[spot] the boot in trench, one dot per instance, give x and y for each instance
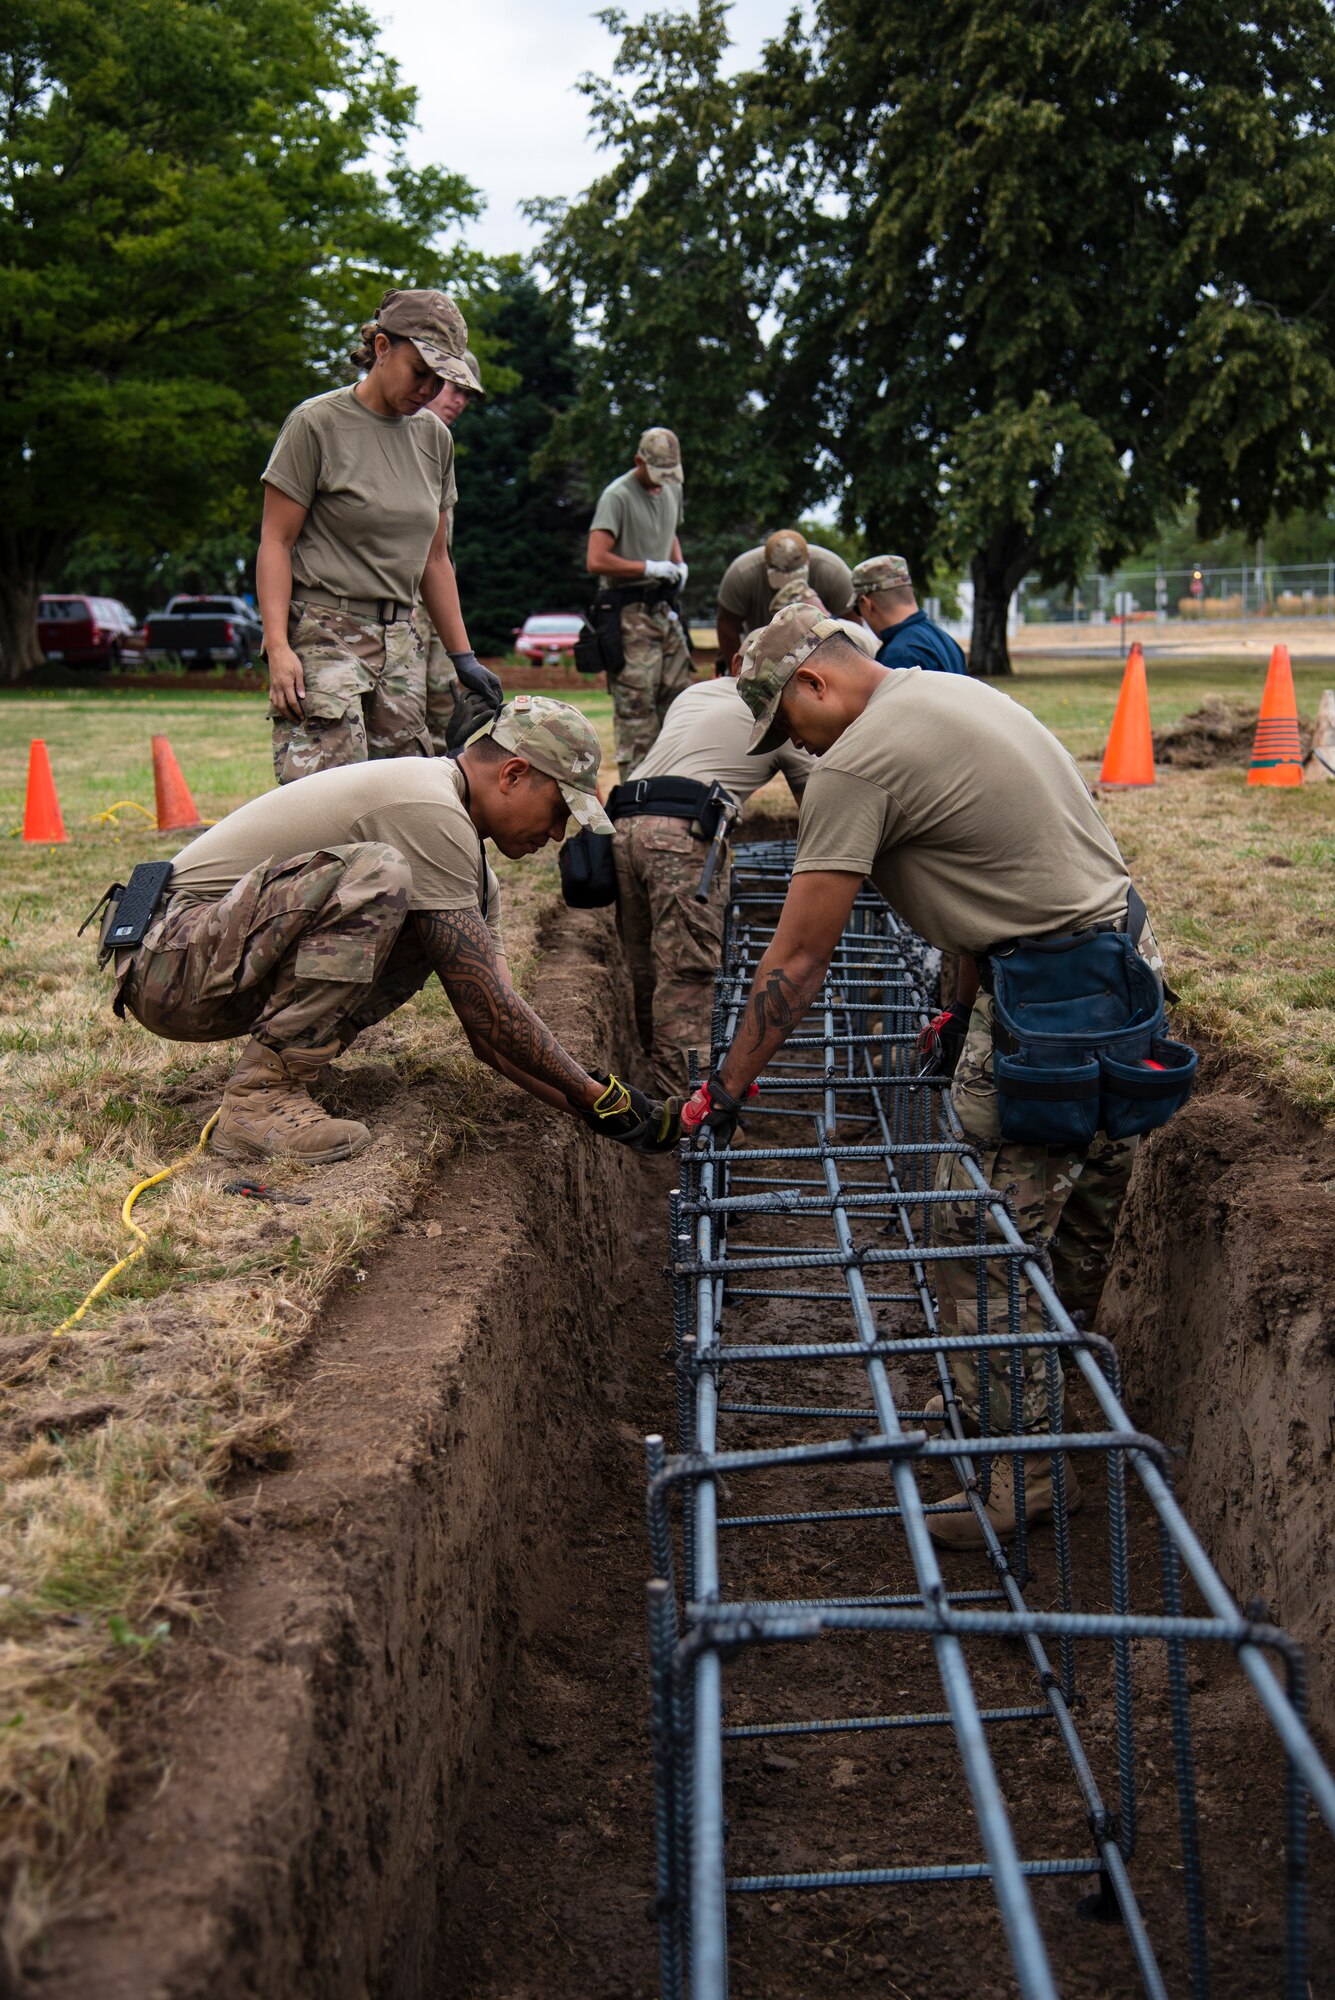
(962, 1531)
(266, 1113)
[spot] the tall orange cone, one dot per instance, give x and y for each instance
(41, 812)
(177, 811)
(1277, 757)
(1129, 757)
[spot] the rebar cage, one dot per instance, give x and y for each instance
(802, 1265)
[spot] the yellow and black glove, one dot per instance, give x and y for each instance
(625, 1114)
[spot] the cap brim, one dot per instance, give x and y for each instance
(585, 807)
(663, 475)
(436, 358)
(771, 730)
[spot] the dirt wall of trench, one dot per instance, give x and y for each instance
(306, 1760)
(1222, 1305)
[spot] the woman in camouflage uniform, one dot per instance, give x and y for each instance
(357, 495)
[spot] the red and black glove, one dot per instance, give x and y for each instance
(714, 1110)
(942, 1040)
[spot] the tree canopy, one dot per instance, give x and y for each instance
(190, 229)
(1009, 283)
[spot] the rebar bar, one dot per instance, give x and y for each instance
(832, 1182)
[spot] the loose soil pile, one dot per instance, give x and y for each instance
(1218, 733)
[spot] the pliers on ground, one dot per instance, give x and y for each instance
(260, 1191)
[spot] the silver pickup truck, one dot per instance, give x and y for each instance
(202, 630)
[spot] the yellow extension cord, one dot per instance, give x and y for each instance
(142, 1245)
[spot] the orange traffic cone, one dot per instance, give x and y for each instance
(41, 813)
(1129, 757)
(1277, 757)
(177, 811)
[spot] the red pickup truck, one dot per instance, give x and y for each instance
(87, 631)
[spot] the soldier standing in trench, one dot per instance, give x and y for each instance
(673, 941)
(356, 496)
(317, 909)
(635, 552)
(975, 824)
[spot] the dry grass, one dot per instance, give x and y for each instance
(116, 1442)
(117, 1439)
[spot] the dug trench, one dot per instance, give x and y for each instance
(407, 1753)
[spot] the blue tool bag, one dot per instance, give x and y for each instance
(1078, 1039)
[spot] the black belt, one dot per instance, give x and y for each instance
(668, 798)
(658, 591)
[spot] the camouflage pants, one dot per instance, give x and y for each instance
(365, 693)
(296, 953)
(674, 945)
(1068, 1202)
(442, 682)
(658, 666)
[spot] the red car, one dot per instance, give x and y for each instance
(547, 639)
(88, 631)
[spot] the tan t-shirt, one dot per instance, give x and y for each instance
(968, 815)
(704, 736)
(414, 804)
(374, 489)
(641, 524)
(747, 593)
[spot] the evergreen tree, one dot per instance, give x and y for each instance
(523, 518)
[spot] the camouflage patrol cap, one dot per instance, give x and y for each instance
(431, 320)
(880, 573)
(555, 739)
(786, 551)
(772, 655)
(662, 456)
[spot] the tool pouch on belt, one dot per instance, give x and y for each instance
(598, 649)
(1078, 1040)
(588, 874)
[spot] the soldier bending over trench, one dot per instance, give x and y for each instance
(978, 829)
(316, 910)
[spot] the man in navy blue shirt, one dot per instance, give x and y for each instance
(884, 591)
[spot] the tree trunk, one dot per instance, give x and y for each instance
(989, 654)
(20, 588)
(997, 573)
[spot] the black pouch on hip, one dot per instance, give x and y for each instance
(128, 911)
(598, 649)
(588, 875)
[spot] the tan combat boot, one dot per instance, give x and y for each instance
(962, 1531)
(266, 1113)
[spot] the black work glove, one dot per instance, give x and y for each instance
(712, 1109)
(479, 680)
(942, 1040)
(631, 1118)
(471, 713)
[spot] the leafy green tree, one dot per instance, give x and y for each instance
(523, 518)
(189, 229)
(1050, 268)
(660, 264)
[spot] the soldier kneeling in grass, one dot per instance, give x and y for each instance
(318, 909)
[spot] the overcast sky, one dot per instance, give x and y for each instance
(496, 92)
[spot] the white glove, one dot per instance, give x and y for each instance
(663, 572)
(683, 571)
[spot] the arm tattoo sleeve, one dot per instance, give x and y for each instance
(463, 957)
(779, 1003)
